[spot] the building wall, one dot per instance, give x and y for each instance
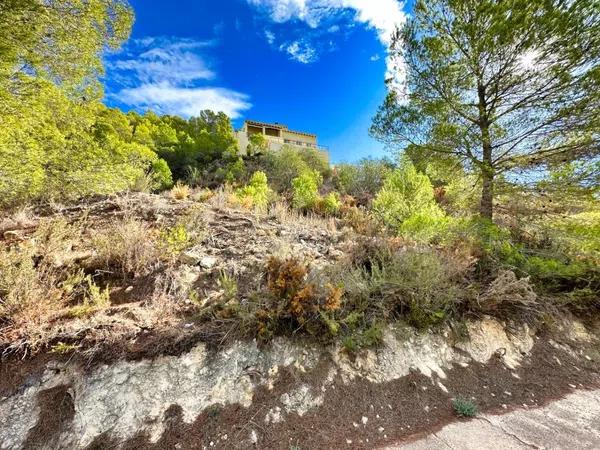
(276, 138)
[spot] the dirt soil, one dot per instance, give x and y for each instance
(363, 415)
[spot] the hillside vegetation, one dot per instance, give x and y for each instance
(119, 225)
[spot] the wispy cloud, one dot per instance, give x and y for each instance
(164, 98)
(300, 51)
(383, 16)
(270, 37)
(375, 57)
(168, 75)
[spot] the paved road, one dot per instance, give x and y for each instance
(572, 423)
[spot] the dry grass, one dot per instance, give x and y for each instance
(128, 248)
(180, 192)
(38, 280)
(286, 215)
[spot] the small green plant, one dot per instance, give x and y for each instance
(95, 299)
(229, 285)
(63, 349)
(464, 408)
(176, 239)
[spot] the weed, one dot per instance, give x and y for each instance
(95, 298)
(180, 191)
(229, 286)
(63, 349)
(464, 408)
(175, 239)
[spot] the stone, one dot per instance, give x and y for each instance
(190, 257)
(208, 262)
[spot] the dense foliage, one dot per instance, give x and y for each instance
(508, 87)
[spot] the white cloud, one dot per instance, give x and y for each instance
(300, 51)
(185, 101)
(172, 61)
(383, 16)
(167, 75)
(375, 57)
(270, 37)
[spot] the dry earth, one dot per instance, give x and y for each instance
(147, 375)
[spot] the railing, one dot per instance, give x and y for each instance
(284, 141)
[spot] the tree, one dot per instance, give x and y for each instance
(59, 41)
(506, 85)
(257, 144)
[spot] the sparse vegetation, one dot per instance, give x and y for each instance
(446, 229)
(128, 247)
(464, 408)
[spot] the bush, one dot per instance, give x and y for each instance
(180, 191)
(329, 205)
(175, 239)
(128, 247)
(363, 179)
(257, 192)
(286, 164)
(407, 196)
(161, 175)
(384, 283)
(510, 297)
(464, 408)
(37, 279)
(305, 189)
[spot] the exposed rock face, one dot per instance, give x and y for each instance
(127, 397)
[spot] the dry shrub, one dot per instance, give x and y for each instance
(510, 297)
(285, 277)
(293, 302)
(222, 197)
(203, 195)
(37, 281)
(285, 215)
(180, 191)
(127, 247)
(361, 221)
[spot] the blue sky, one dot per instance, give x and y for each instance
(315, 65)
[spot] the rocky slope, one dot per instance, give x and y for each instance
(293, 394)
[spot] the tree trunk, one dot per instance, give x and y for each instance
(486, 209)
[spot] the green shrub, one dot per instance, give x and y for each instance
(464, 408)
(363, 179)
(257, 144)
(305, 189)
(257, 192)
(175, 239)
(418, 286)
(330, 204)
(286, 164)
(407, 204)
(161, 175)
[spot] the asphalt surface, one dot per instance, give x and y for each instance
(572, 423)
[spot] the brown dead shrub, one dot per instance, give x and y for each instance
(510, 297)
(127, 247)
